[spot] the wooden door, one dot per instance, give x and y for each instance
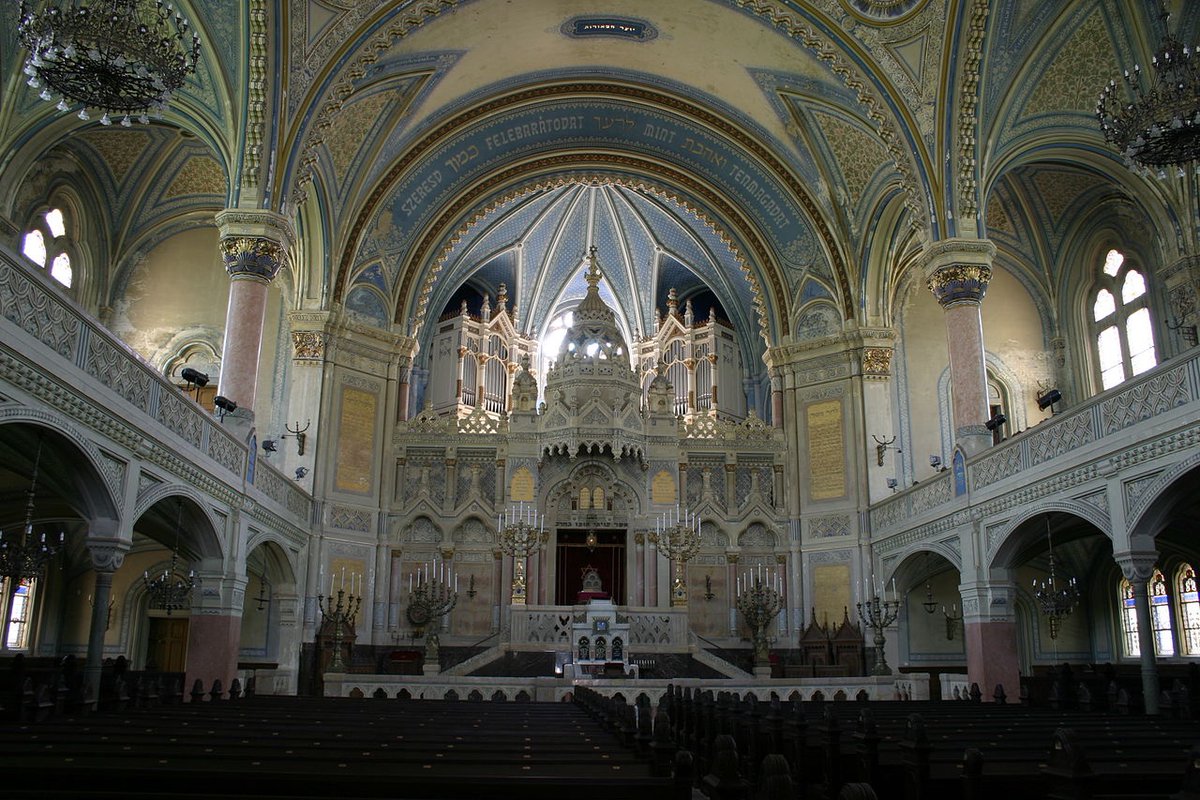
(166, 650)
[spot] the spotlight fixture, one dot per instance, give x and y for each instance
(1048, 398)
(936, 463)
(194, 376)
(1153, 116)
(268, 446)
(124, 57)
(224, 406)
(195, 379)
(892, 483)
(995, 422)
(301, 472)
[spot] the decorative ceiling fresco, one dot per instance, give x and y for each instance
(773, 153)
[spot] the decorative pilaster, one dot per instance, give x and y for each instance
(957, 273)
(253, 245)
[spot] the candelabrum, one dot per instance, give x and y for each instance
(432, 594)
(877, 613)
(677, 535)
(1056, 597)
(760, 599)
(342, 615)
(24, 556)
(522, 532)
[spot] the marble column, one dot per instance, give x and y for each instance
(990, 633)
(1138, 568)
(639, 570)
(107, 554)
(253, 247)
(215, 629)
(958, 272)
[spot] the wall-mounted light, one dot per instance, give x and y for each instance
(298, 433)
(301, 472)
(892, 483)
(268, 446)
(882, 446)
(995, 422)
(936, 463)
(953, 617)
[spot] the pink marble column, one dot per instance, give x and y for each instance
(243, 339)
(212, 652)
(992, 656)
(253, 246)
(959, 272)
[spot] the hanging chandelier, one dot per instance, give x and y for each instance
(1056, 596)
(25, 556)
(120, 57)
(171, 590)
(1154, 118)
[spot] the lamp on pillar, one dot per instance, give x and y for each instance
(1056, 596)
(522, 532)
(677, 534)
(171, 590)
(195, 379)
(24, 556)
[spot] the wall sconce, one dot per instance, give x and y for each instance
(298, 433)
(953, 616)
(195, 379)
(224, 406)
(1047, 399)
(881, 448)
(107, 612)
(708, 592)
(995, 422)
(1186, 332)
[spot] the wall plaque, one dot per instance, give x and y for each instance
(356, 436)
(521, 488)
(831, 592)
(826, 450)
(662, 488)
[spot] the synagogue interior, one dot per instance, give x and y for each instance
(450, 346)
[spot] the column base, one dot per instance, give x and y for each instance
(762, 672)
(431, 669)
(992, 657)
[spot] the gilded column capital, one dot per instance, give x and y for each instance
(958, 270)
(877, 362)
(309, 345)
(254, 242)
(962, 283)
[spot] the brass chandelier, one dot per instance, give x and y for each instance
(119, 57)
(1152, 116)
